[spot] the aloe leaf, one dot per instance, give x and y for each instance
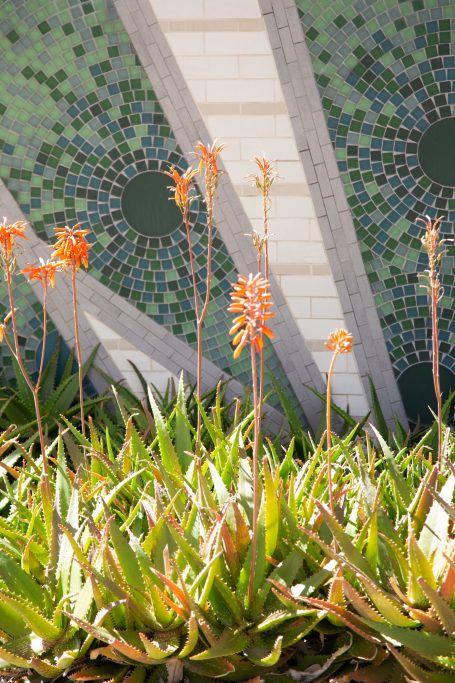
(397, 477)
(19, 582)
(427, 645)
(40, 625)
(377, 410)
(445, 613)
(127, 558)
(7, 657)
(229, 643)
(271, 510)
(419, 566)
(49, 373)
(154, 650)
(385, 604)
(183, 441)
(344, 541)
(167, 451)
(212, 668)
(434, 535)
(419, 674)
(259, 655)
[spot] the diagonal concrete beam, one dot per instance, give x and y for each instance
(118, 314)
(303, 101)
(231, 221)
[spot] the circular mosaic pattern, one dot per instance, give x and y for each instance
(436, 152)
(146, 207)
(80, 127)
(386, 74)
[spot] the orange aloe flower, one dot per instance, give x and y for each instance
(8, 233)
(71, 247)
(4, 324)
(340, 341)
(251, 299)
(181, 188)
(44, 272)
(267, 174)
(207, 157)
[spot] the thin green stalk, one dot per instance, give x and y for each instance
(328, 414)
(254, 539)
(78, 347)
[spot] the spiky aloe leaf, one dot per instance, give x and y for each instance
(230, 643)
(352, 554)
(7, 657)
(445, 613)
(19, 582)
(427, 645)
(40, 625)
(191, 638)
(154, 650)
(271, 510)
(212, 668)
(167, 451)
(43, 668)
(385, 603)
(261, 656)
(418, 673)
(419, 566)
(127, 558)
(396, 476)
(183, 441)
(435, 531)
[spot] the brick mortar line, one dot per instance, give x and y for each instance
(231, 220)
(327, 190)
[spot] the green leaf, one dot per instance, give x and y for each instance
(19, 582)
(271, 510)
(377, 411)
(183, 441)
(229, 643)
(40, 625)
(167, 451)
(127, 558)
(259, 655)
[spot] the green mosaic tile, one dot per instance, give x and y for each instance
(394, 82)
(80, 117)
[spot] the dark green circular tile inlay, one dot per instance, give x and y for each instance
(436, 152)
(146, 206)
(417, 389)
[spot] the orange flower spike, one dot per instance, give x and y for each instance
(208, 156)
(252, 300)
(340, 341)
(267, 174)
(44, 272)
(8, 233)
(71, 246)
(182, 186)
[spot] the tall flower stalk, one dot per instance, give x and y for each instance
(339, 341)
(71, 250)
(45, 273)
(434, 246)
(208, 165)
(251, 300)
(263, 181)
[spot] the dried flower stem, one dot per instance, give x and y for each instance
(434, 247)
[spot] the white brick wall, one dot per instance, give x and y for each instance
(121, 351)
(224, 53)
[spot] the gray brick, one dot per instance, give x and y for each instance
(288, 45)
(323, 179)
(272, 31)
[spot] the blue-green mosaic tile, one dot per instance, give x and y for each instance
(79, 121)
(386, 75)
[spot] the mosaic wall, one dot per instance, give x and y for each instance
(386, 73)
(84, 139)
